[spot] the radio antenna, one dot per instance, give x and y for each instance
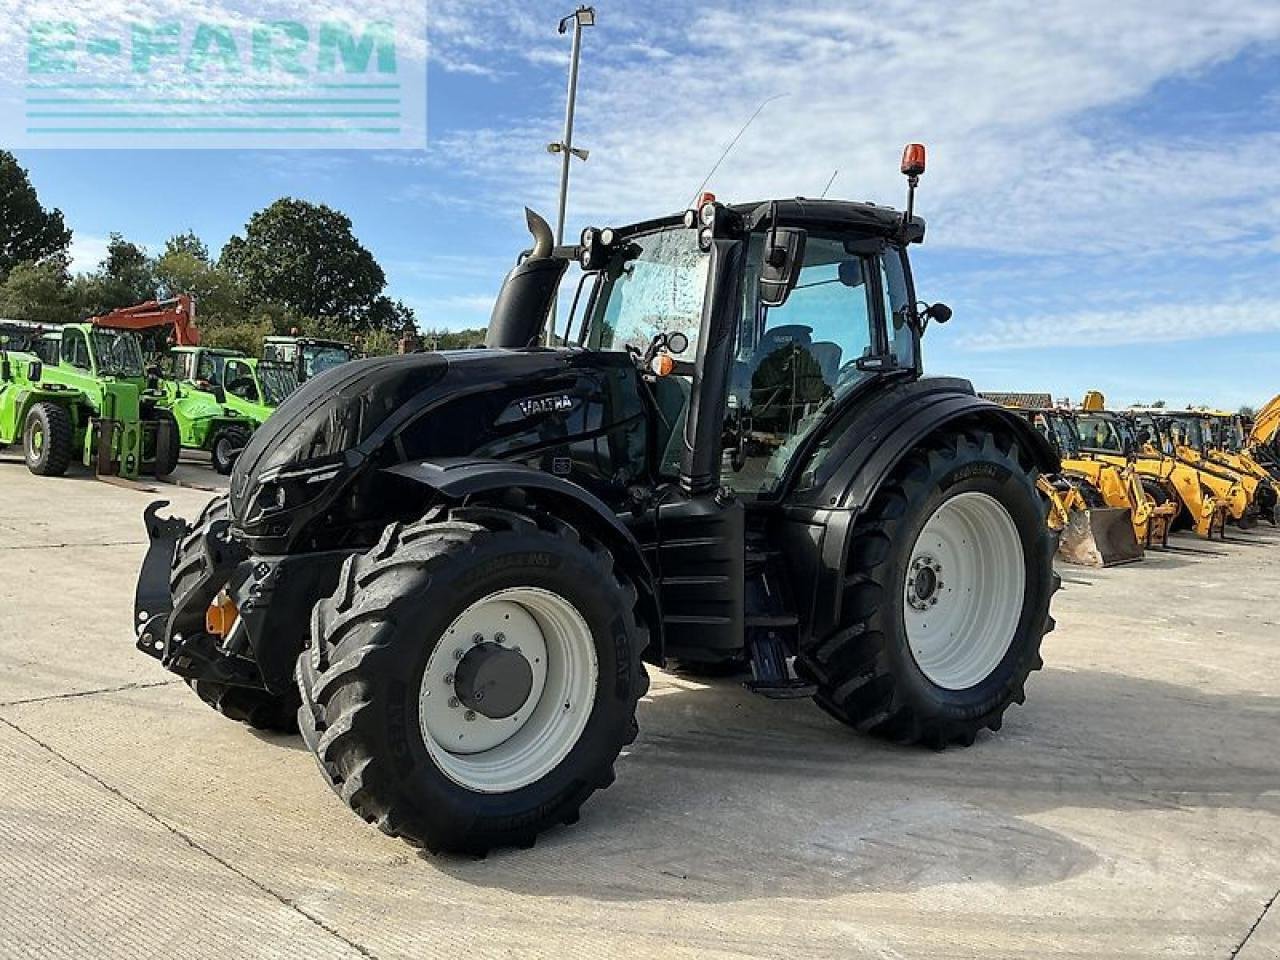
(828, 186)
(710, 173)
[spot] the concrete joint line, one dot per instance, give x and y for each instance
(193, 844)
(1257, 923)
(87, 693)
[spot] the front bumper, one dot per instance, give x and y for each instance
(186, 567)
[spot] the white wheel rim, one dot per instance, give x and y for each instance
(499, 755)
(965, 586)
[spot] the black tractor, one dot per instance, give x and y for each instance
(449, 569)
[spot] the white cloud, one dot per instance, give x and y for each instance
(1003, 92)
(1161, 324)
(87, 251)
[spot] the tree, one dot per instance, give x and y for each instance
(393, 316)
(124, 277)
(1248, 412)
(218, 297)
(186, 243)
(28, 232)
(1157, 404)
(306, 257)
(38, 292)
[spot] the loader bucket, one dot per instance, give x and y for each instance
(1100, 537)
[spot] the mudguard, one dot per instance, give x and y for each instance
(856, 458)
(458, 478)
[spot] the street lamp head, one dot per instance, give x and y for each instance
(585, 16)
(555, 147)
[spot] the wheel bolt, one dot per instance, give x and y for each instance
(477, 638)
(469, 715)
(453, 703)
(448, 679)
(458, 654)
(499, 638)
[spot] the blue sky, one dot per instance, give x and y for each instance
(1103, 192)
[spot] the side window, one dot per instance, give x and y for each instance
(897, 306)
(237, 378)
(794, 359)
(75, 350)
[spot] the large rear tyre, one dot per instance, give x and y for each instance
(46, 440)
(951, 573)
(473, 678)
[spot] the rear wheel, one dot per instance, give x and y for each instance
(168, 444)
(46, 440)
(473, 679)
(226, 447)
(951, 572)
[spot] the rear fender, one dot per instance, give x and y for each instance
(873, 442)
(462, 479)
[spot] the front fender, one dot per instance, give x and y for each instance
(462, 478)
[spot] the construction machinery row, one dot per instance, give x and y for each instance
(1130, 477)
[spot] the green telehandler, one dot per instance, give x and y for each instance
(219, 397)
(80, 392)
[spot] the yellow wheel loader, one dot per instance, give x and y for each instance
(1189, 434)
(1263, 442)
(1096, 510)
(1119, 440)
(1226, 443)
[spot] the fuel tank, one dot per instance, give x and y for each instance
(572, 412)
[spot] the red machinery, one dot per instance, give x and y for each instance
(179, 311)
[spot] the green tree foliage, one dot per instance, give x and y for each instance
(306, 256)
(1248, 412)
(38, 292)
(124, 277)
(452, 339)
(28, 232)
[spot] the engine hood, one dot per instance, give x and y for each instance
(345, 416)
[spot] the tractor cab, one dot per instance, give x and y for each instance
(307, 356)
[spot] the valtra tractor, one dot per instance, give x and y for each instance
(452, 567)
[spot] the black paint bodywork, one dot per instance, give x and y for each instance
(577, 433)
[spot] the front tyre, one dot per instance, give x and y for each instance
(47, 440)
(951, 572)
(226, 446)
(473, 678)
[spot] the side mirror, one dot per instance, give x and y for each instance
(938, 313)
(35, 370)
(781, 268)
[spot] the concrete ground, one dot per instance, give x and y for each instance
(1130, 809)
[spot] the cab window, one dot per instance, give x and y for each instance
(793, 361)
(75, 350)
(237, 379)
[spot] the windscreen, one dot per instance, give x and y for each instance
(317, 359)
(118, 352)
(277, 382)
(655, 283)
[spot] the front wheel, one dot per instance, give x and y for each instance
(951, 572)
(473, 678)
(226, 447)
(47, 440)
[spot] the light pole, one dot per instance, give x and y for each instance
(582, 17)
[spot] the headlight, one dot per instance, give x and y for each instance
(292, 488)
